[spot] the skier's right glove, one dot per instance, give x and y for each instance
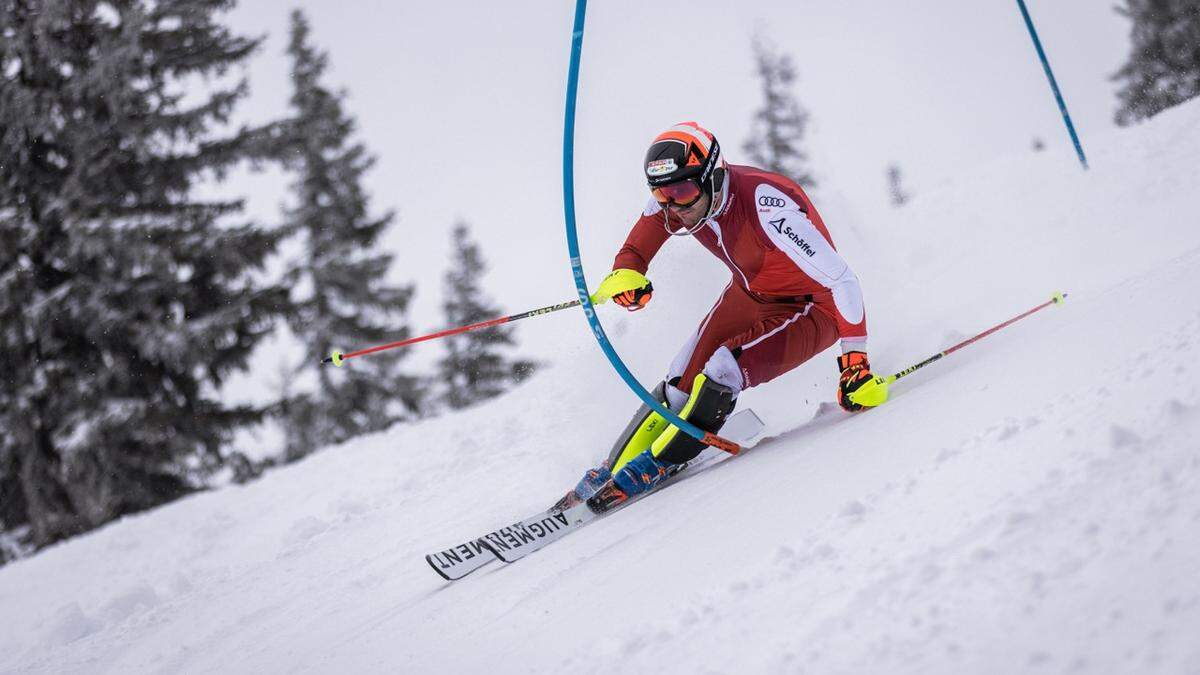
(628, 288)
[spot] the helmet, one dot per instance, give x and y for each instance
(686, 150)
(685, 153)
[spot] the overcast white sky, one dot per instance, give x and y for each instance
(462, 103)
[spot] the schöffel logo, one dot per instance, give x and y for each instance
(771, 201)
(791, 234)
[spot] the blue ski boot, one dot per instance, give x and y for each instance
(641, 474)
(592, 481)
(589, 485)
(607, 497)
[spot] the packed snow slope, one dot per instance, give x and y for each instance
(1030, 504)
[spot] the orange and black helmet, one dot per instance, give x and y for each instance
(686, 151)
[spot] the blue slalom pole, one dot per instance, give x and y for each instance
(1062, 106)
(577, 267)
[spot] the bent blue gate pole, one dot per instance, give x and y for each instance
(1062, 106)
(576, 265)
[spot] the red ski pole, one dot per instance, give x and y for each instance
(875, 392)
(337, 358)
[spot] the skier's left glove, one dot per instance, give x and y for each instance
(856, 371)
(628, 288)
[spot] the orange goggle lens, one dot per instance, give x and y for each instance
(679, 195)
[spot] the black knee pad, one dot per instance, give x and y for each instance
(710, 406)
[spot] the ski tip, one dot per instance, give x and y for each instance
(442, 574)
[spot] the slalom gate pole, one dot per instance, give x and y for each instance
(1058, 97)
(871, 390)
(337, 358)
(706, 437)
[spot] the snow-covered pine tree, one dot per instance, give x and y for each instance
(341, 295)
(896, 191)
(474, 369)
(1164, 64)
(125, 299)
(778, 129)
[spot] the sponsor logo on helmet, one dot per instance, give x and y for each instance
(661, 167)
(771, 201)
(710, 163)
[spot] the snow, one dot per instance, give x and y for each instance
(1029, 504)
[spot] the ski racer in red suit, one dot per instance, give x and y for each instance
(790, 297)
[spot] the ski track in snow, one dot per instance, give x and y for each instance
(1029, 504)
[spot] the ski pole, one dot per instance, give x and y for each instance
(875, 392)
(337, 358)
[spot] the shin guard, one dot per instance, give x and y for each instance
(645, 426)
(707, 408)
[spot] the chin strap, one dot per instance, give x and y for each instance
(718, 182)
(682, 231)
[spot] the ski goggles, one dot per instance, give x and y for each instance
(679, 195)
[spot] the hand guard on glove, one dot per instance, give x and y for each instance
(628, 288)
(856, 371)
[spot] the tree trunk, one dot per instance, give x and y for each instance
(49, 509)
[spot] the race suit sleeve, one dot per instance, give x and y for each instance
(793, 233)
(644, 240)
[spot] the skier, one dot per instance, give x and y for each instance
(791, 296)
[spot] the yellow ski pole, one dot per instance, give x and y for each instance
(875, 392)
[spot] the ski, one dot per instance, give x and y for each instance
(459, 561)
(515, 541)
(518, 540)
(503, 543)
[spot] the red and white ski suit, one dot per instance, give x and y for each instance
(791, 295)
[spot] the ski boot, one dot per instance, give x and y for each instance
(641, 431)
(651, 450)
(639, 475)
(607, 497)
(590, 484)
(592, 481)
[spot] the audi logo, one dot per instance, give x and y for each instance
(771, 201)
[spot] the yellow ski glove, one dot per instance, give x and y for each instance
(628, 288)
(857, 387)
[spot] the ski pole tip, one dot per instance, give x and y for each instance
(335, 358)
(1058, 298)
(717, 442)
